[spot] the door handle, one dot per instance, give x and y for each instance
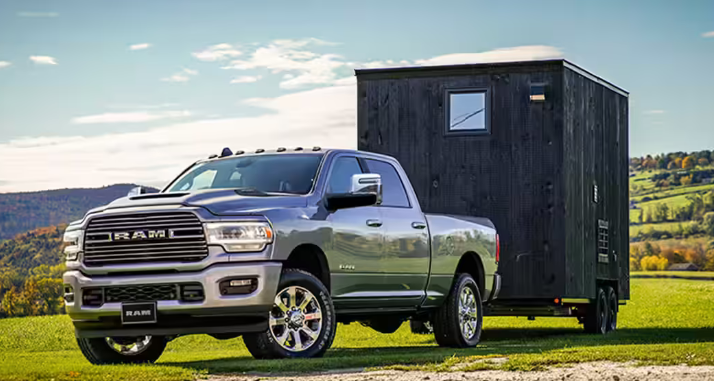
(418, 225)
(374, 223)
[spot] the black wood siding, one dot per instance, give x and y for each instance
(528, 176)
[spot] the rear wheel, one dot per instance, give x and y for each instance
(612, 309)
(301, 323)
(122, 350)
(596, 317)
(458, 321)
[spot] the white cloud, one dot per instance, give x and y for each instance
(654, 112)
(130, 117)
(141, 106)
(142, 46)
(43, 60)
(157, 155)
(708, 34)
(37, 14)
(246, 79)
(182, 76)
(4, 64)
(520, 53)
(217, 52)
(292, 57)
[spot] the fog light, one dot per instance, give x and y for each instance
(192, 293)
(68, 294)
(238, 286)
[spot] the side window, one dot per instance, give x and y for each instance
(394, 193)
(341, 174)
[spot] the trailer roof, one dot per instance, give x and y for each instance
(465, 69)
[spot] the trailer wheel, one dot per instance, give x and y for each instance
(596, 317)
(612, 309)
(302, 322)
(458, 321)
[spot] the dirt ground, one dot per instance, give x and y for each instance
(587, 371)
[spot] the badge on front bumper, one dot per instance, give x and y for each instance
(138, 313)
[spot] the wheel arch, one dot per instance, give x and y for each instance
(471, 264)
(310, 258)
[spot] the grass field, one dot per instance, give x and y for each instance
(666, 322)
(673, 274)
(662, 226)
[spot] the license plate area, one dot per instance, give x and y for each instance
(138, 313)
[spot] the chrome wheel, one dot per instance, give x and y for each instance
(296, 319)
(468, 313)
(129, 346)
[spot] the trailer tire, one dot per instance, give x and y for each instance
(597, 314)
(612, 309)
(102, 351)
(458, 322)
(299, 325)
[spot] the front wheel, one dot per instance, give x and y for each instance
(458, 321)
(301, 322)
(122, 350)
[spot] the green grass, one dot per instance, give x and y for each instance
(674, 191)
(673, 274)
(667, 322)
(662, 226)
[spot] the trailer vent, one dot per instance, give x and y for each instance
(603, 241)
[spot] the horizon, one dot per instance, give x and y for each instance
(103, 93)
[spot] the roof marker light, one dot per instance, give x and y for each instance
(259, 150)
(239, 152)
(281, 149)
(316, 148)
(298, 148)
(213, 156)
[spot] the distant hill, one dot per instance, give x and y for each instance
(22, 212)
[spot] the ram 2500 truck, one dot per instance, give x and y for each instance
(277, 247)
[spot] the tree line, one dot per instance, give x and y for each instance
(673, 160)
(31, 267)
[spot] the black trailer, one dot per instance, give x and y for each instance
(540, 148)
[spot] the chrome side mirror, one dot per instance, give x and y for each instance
(367, 184)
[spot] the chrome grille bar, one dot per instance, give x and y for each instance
(144, 238)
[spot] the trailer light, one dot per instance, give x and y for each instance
(557, 301)
(498, 248)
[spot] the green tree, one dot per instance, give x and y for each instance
(32, 297)
(10, 303)
(708, 224)
(50, 293)
(661, 212)
(688, 162)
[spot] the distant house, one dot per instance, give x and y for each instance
(683, 267)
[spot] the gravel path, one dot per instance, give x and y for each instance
(587, 371)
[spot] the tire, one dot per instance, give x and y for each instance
(101, 351)
(596, 317)
(421, 327)
(612, 305)
(293, 325)
(449, 328)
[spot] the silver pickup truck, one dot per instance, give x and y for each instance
(276, 247)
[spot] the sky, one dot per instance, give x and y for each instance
(98, 92)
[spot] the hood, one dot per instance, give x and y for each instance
(217, 201)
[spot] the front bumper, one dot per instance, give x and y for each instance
(214, 315)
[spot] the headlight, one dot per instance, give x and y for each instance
(239, 236)
(73, 242)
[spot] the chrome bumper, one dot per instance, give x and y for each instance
(104, 320)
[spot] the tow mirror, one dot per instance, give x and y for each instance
(365, 190)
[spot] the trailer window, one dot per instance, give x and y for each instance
(467, 111)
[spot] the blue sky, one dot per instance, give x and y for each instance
(79, 106)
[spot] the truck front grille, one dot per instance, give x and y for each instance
(144, 238)
(187, 292)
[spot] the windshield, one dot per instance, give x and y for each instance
(263, 174)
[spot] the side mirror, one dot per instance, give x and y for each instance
(367, 183)
(365, 190)
(137, 191)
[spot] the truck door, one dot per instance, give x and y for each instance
(405, 257)
(356, 245)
